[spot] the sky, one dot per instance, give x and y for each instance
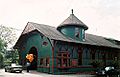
(101, 16)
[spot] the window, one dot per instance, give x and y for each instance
(41, 61)
(93, 56)
(47, 62)
(63, 59)
(45, 43)
(59, 62)
(83, 34)
(77, 32)
(110, 56)
(79, 58)
(74, 62)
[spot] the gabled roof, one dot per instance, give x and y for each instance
(48, 31)
(72, 20)
(53, 33)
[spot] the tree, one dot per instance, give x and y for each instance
(2, 45)
(8, 35)
(1, 60)
(7, 38)
(11, 57)
(2, 48)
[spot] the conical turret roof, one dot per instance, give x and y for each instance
(72, 20)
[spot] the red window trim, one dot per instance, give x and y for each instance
(61, 56)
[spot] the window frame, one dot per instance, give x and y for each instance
(63, 60)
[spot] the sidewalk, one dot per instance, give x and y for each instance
(67, 75)
(38, 74)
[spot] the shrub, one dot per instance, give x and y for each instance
(96, 63)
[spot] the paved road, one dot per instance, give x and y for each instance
(36, 74)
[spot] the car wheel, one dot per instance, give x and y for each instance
(5, 70)
(11, 71)
(20, 71)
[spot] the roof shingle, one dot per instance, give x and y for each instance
(53, 33)
(72, 20)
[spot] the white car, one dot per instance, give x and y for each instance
(13, 68)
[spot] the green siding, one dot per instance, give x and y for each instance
(43, 51)
(36, 40)
(71, 31)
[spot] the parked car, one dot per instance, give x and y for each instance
(109, 70)
(13, 68)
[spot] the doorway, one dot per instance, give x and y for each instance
(33, 65)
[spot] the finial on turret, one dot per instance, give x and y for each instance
(72, 11)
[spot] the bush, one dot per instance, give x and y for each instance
(96, 63)
(115, 63)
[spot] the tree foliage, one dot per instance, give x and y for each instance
(1, 60)
(11, 57)
(7, 38)
(7, 34)
(2, 45)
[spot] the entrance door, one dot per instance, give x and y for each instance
(33, 65)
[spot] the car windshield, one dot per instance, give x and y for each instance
(13, 64)
(109, 68)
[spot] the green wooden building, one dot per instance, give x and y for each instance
(65, 49)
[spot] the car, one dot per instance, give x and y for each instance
(100, 72)
(108, 70)
(14, 68)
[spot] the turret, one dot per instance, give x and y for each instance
(73, 27)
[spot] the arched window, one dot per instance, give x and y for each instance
(93, 54)
(86, 54)
(79, 58)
